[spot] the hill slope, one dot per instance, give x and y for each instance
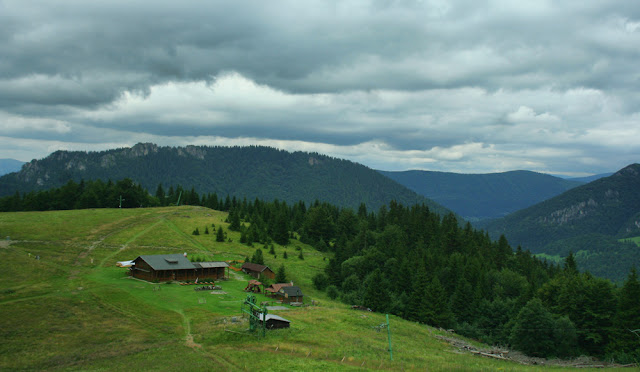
(9, 165)
(590, 218)
(481, 196)
(251, 172)
(72, 309)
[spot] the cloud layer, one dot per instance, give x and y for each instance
(470, 87)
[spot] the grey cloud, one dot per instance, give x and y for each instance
(414, 75)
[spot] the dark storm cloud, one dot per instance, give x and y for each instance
(425, 84)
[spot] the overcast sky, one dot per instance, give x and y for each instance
(473, 87)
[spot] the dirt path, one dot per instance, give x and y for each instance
(186, 323)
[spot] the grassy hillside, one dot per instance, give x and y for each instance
(74, 309)
(481, 196)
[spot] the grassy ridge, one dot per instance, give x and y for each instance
(73, 309)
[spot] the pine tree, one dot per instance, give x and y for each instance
(160, 195)
(234, 220)
(281, 228)
(627, 318)
(533, 330)
(258, 257)
(220, 235)
(570, 265)
(436, 308)
(376, 296)
(281, 275)
(196, 232)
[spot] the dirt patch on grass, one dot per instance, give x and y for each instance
(190, 343)
(5, 243)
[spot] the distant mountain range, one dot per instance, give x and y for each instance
(589, 178)
(590, 220)
(9, 165)
(251, 172)
(482, 196)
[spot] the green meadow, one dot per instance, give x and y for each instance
(65, 305)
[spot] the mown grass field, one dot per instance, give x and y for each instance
(634, 240)
(73, 309)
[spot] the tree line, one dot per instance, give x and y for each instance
(416, 264)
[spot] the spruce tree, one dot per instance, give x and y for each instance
(220, 235)
(281, 275)
(436, 308)
(533, 330)
(258, 257)
(627, 319)
(376, 295)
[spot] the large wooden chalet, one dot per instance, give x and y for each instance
(167, 267)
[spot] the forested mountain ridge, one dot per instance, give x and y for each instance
(481, 196)
(589, 220)
(251, 172)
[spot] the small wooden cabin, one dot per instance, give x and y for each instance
(166, 267)
(273, 289)
(256, 270)
(275, 321)
(291, 294)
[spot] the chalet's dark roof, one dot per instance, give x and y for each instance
(255, 267)
(161, 262)
(211, 264)
(292, 291)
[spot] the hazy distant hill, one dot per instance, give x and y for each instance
(481, 196)
(251, 172)
(590, 178)
(9, 165)
(589, 219)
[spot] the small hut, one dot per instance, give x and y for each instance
(273, 289)
(275, 321)
(291, 294)
(256, 270)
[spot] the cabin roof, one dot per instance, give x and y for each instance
(210, 264)
(274, 317)
(292, 291)
(255, 267)
(276, 287)
(167, 262)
